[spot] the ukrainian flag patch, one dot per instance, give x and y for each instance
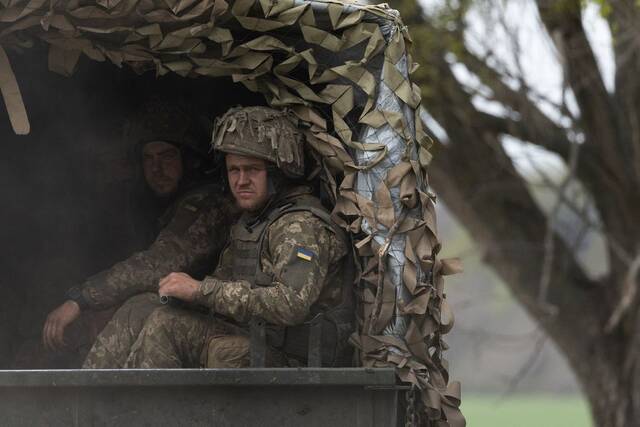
(304, 254)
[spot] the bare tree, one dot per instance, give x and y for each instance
(594, 321)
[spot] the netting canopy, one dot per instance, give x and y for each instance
(344, 69)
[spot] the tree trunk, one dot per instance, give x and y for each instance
(480, 185)
(612, 389)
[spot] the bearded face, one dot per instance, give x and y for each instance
(162, 165)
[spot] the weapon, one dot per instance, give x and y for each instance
(166, 300)
(178, 303)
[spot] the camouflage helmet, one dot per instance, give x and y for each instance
(158, 119)
(262, 132)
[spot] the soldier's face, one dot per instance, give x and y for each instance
(162, 164)
(248, 181)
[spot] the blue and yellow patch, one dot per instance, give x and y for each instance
(304, 254)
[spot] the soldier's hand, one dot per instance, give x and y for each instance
(57, 321)
(179, 285)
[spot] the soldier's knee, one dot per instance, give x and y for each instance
(161, 317)
(230, 351)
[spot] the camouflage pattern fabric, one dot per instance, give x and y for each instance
(171, 338)
(113, 345)
(178, 338)
(298, 283)
(302, 255)
(262, 132)
(228, 351)
(190, 242)
(345, 71)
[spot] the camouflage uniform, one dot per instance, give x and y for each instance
(190, 242)
(300, 273)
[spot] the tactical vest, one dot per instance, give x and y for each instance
(245, 246)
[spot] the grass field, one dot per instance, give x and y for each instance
(526, 411)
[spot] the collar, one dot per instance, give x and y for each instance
(277, 201)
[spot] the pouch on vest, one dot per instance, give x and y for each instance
(336, 324)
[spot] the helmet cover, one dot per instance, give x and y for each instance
(264, 133)
(160, 120)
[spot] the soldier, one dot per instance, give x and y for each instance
(285, 262)
(192, 233)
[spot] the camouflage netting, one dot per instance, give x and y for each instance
(344, 69)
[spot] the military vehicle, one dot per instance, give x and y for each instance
(71, 72)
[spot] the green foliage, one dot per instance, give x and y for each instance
(526, 411)
(604, 5)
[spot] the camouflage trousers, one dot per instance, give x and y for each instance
(145, 334)
(113, 344)
(180, 338)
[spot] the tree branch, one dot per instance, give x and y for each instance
(563, 21)
(605, 166)
(534, 126)
(623, 22)
(517, 259)
(479, 183)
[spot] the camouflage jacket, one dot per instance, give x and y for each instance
(301, 257)
(193, 237)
